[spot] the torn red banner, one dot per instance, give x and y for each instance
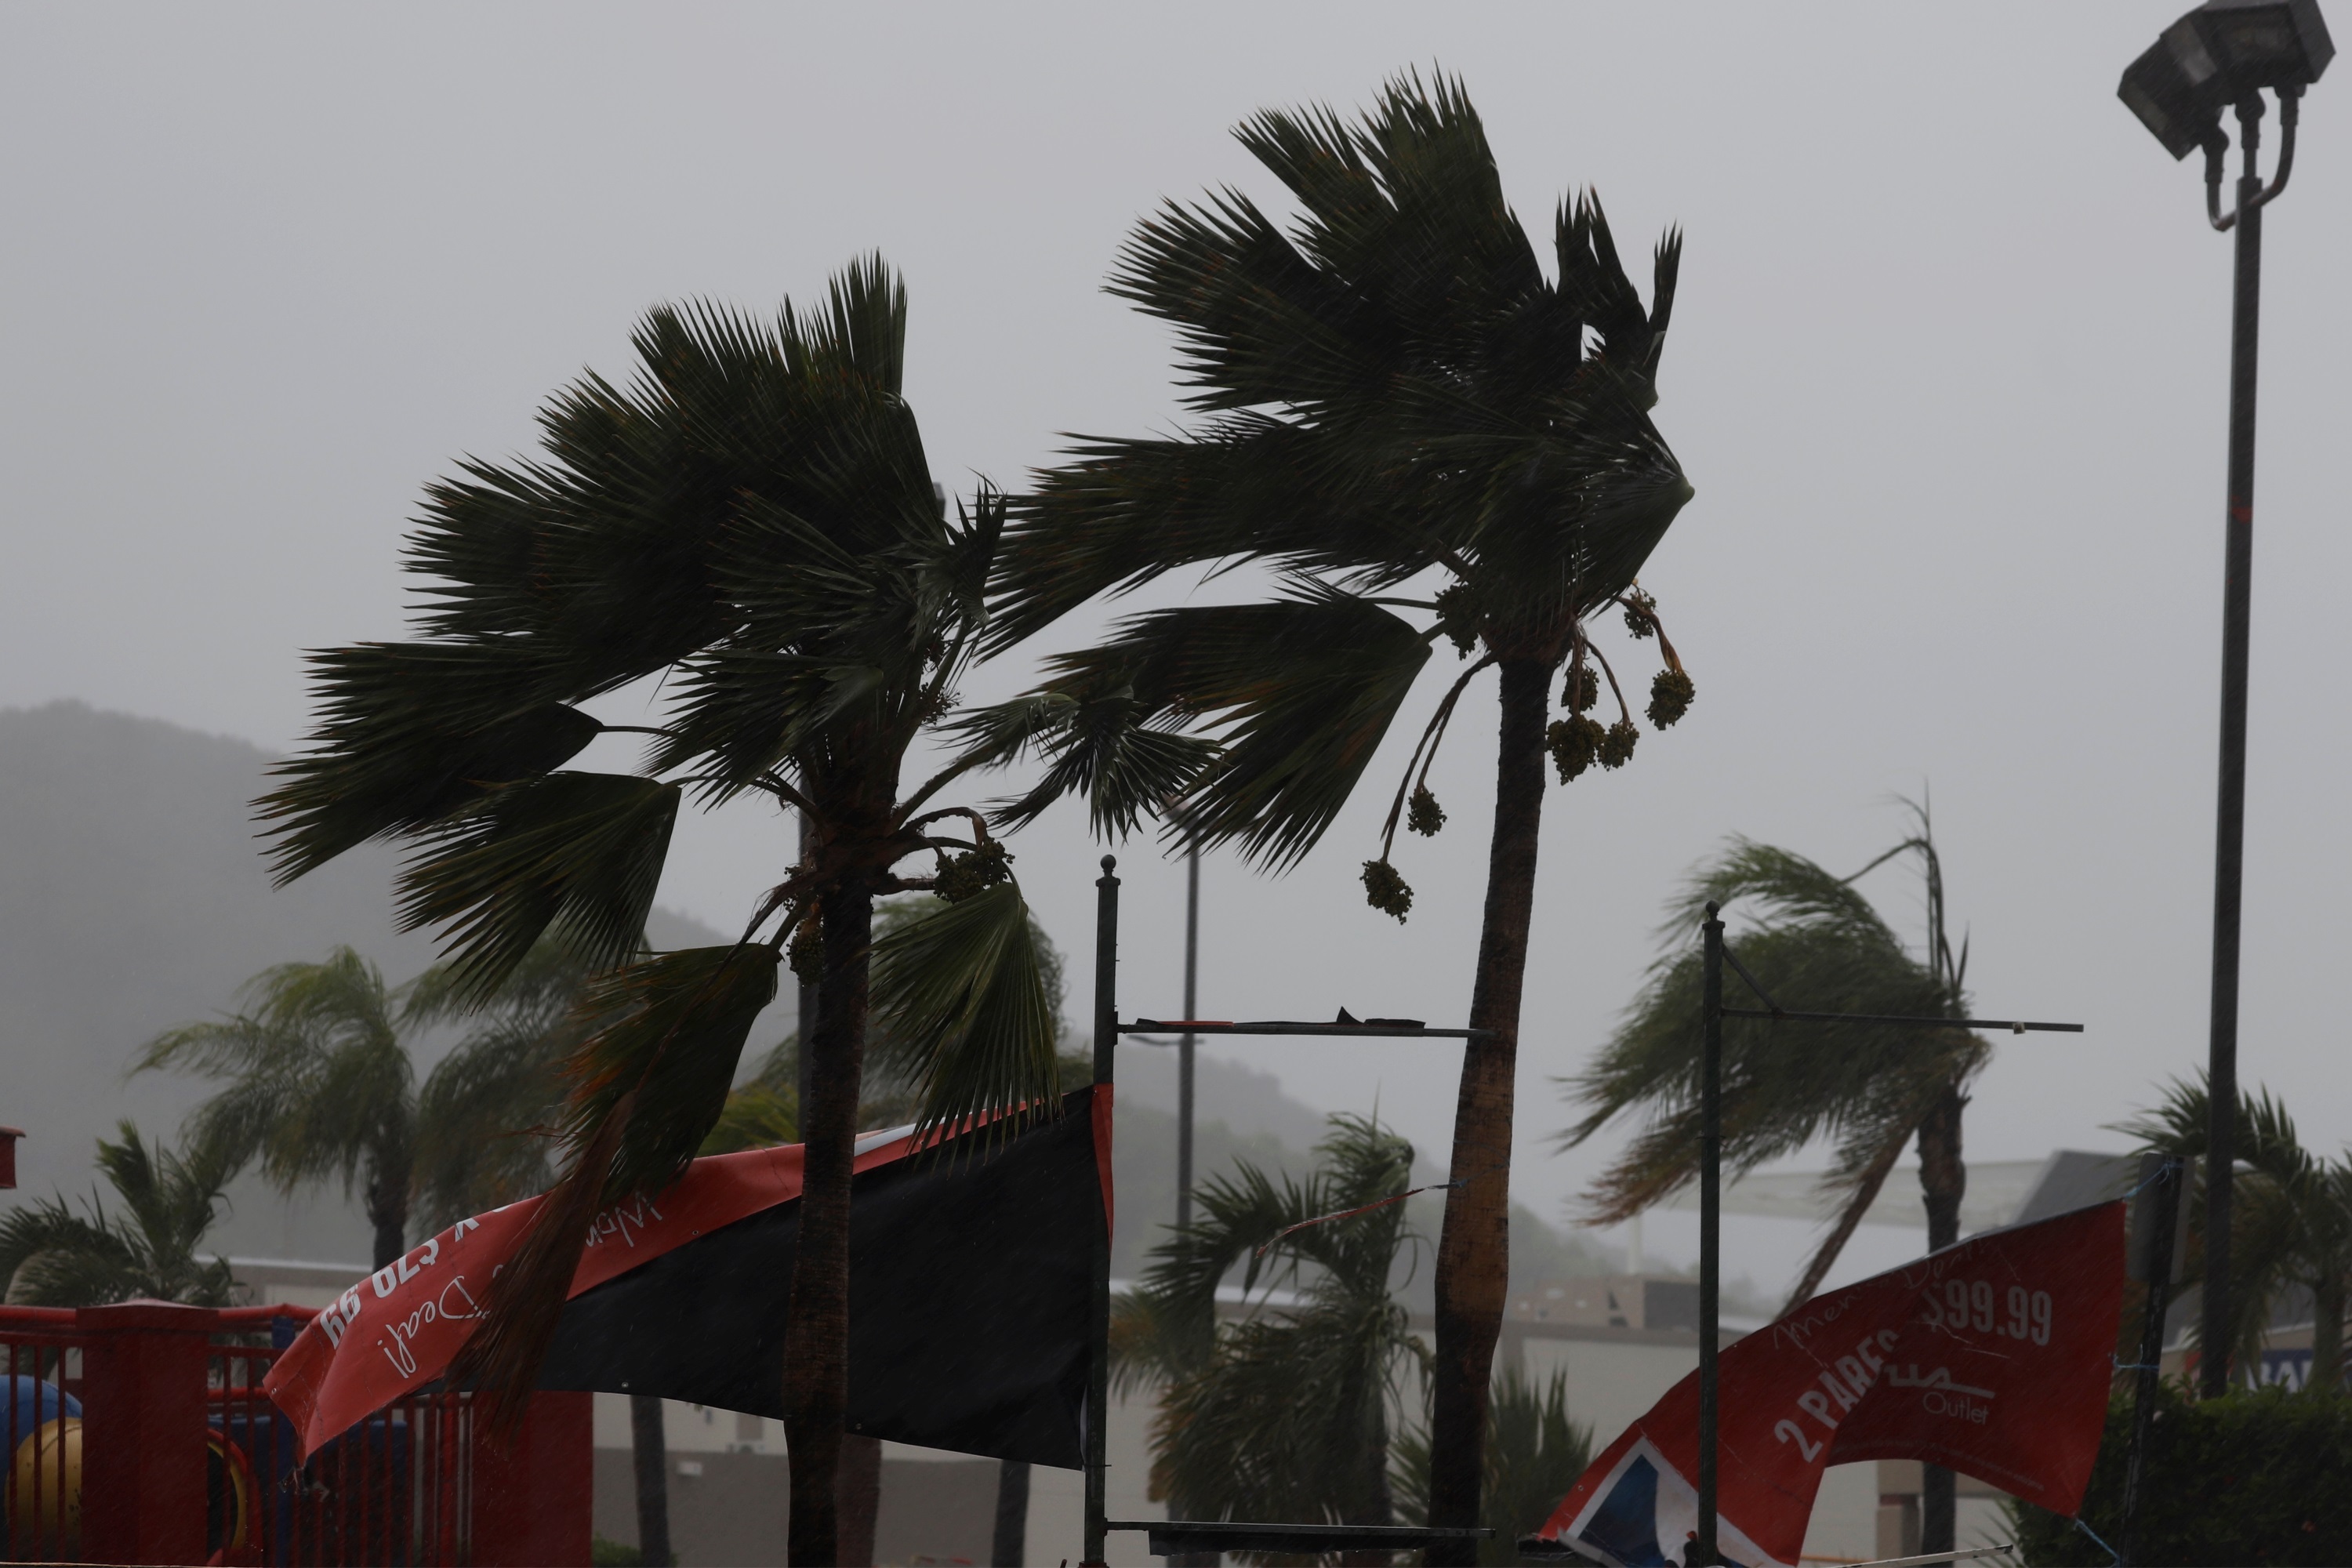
(1993, 1358)
(731, 1221)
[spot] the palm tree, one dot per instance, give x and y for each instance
(1397, 394)
(2290, 1226)
(751, 528)
(323, 1084)
(1817, 945)
(1283, 1415)
(52, 1257)
(1534, 1454)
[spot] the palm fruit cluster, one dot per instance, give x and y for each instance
(1582, 693)
(1670, 696)
(1641, 613)
(1457, 617)
(806, 954)
(974, 871)
(1574, 744)
(1385, 891)
(1423, 814)
(1616, 747)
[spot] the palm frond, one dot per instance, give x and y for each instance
(1302, 691)
(962, 1013)
(648, 1082)
(578, 853)
(409, 733)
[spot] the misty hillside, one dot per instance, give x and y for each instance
(133, 898)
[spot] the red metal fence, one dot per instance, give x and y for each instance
(139, 1433)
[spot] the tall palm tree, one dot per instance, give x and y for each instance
(321, 1084)
(1398, 397)
(1285, 1414)
(1816, 944)
(2290, 1226)
(52, 1257)
(750, 527)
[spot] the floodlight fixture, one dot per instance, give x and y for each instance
(2221, 54)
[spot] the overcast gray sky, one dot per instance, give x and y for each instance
(1947, 370)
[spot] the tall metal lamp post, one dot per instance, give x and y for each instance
(2224, 55)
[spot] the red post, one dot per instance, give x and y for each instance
(532, 1496)
(142, 1402)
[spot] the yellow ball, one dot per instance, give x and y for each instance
(45, 1515)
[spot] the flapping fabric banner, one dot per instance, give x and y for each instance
(1993, 1358)
(970, 1284)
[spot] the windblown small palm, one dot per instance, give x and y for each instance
(1285, 1414)
(321, 1086)
(1817, 945)
(1427, 440)
(750, 527)
(51, 1255)
(2291, 1219)
(1535, 1453)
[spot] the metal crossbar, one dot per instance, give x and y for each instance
(1170, 1537)
(1284, 1026)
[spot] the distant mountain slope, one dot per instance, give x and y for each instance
(133, 898)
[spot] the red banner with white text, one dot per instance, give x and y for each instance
(1993, 1358)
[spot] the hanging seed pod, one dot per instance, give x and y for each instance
(1458, 618)
(1574, 742)
(806, 953)
(1670, 696)
(1616, 748)
(1641, 613)
(1385, 891)
(1582, 692)
(973, 871)
(1423, 814)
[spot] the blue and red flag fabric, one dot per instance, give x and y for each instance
(1992, 1357)
(970, 1284)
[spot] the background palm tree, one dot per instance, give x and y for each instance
(52, 1257)
(2290, 1227)
(1397, 394)
(751, 527)
(1534, 1454)
(323, 1084)
(1283, 1415)
(1817, 945)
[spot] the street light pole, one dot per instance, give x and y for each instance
(2230, 812)
(2224, 55)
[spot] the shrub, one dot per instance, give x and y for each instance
(2258, 1475)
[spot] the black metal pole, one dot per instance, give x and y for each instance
(1710, 1230)
(2162, 1198)
(2230, 829)
(1098, 1373)
(1185, 1046)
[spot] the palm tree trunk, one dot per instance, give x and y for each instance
(1943, 1181)
(816, 1333)
(858, 1497)
(649, 1448)
(1474, 1251)
(387, 1206)
(1866, 1193)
